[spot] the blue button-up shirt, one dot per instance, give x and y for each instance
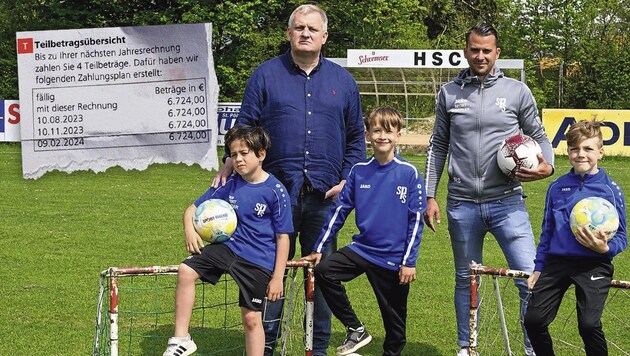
(314, 121)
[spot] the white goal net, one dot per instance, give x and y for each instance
(135, 312)
(495, 319)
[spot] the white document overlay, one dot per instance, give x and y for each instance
(91, 99)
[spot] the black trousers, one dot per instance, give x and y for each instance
(345, 265)
(591, 277)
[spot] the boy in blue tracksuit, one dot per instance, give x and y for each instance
(256, 253)
(584, 260)
(388, 195)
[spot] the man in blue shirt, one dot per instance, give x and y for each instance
(311, 109)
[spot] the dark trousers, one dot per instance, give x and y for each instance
(345, 265)
(591, 277)
(309, 216)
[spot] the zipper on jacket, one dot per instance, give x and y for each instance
(479, 126)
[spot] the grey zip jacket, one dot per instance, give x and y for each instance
(472, 118)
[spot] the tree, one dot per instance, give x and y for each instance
(598, 74)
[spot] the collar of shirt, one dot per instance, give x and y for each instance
(297, 67)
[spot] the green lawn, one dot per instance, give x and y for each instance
(60, 231)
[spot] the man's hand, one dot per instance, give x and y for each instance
(223, 173)
(314, 256)
(594, 240)
(543, 170)
(406, 275)
(333, 193)
(433, 211)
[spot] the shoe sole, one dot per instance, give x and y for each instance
(189, 351)
(356, 347)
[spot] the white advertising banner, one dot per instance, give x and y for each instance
(226, 116)
(404, 58)
(9, 121)
(416, 58)
(126, 96)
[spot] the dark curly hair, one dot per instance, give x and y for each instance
(255, 137)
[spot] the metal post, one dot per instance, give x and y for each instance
(310, 309)
(113, 315)
(497, 293)
(474, 306)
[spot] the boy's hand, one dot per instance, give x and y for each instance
(274, 289)
(194, 243)
(533, 278)
(594, 240)
(314, 256)
(407, 275)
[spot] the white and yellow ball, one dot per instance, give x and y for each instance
(596, 213)
(215, 220)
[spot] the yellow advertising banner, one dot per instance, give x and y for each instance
(615, 128)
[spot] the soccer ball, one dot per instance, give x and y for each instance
(517, 151)
(596, 213)
(215, 220)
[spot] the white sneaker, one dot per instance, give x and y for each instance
(463, 352)
(178, 346)
(529, 351)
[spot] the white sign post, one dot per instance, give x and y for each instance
(128, 96)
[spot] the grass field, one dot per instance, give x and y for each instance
(59, 232)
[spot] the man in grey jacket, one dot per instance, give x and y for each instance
(474, 113)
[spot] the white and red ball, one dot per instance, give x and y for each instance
(215, 220)
(517, 151)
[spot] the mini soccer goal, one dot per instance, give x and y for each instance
(495, 323)
(135, 312)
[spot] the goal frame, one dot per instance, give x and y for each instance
(479, 269)
(112, 275)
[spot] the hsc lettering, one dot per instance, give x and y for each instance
(454, 58)
(614, 128)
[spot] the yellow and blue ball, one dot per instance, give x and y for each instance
(597, 214)
(215, 220)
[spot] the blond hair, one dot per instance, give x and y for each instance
(307, 9)
(583, 130)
